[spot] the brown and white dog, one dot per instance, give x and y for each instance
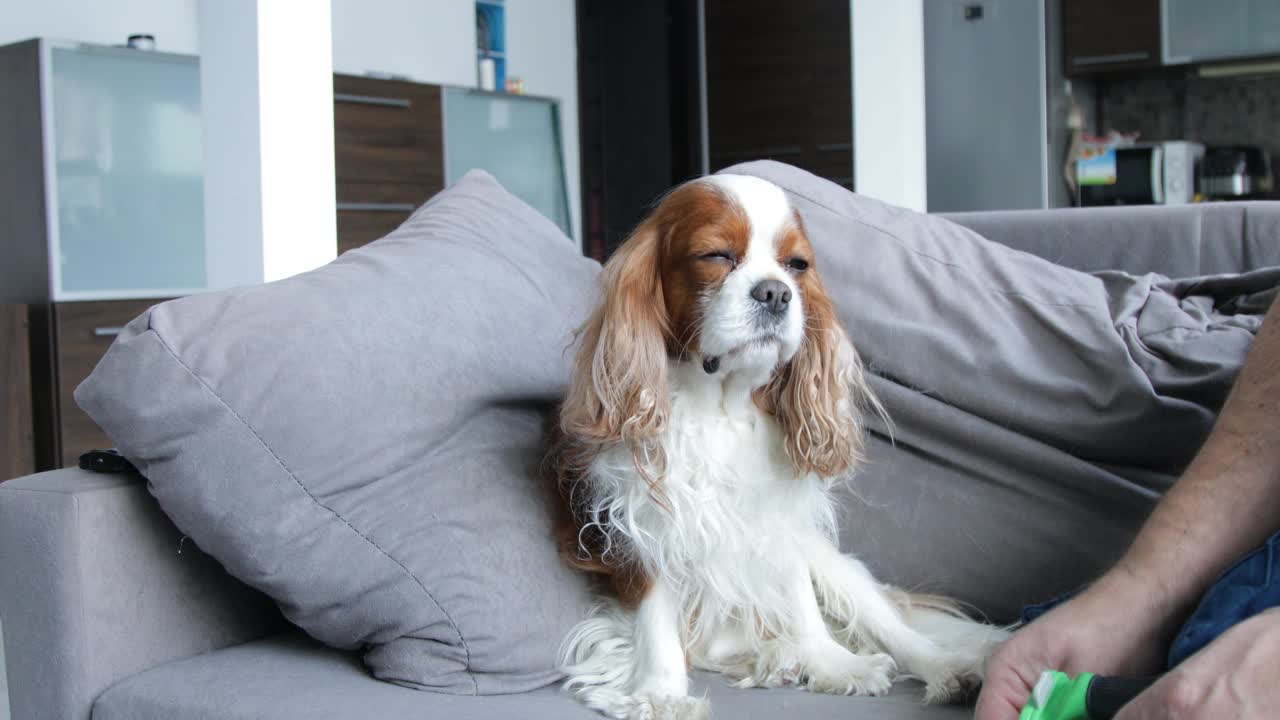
(714, 403)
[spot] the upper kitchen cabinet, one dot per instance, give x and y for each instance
(102, 173)
(1196, 30)
(1106, 35)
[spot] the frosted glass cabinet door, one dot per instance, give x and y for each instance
(516, 139)
(126, 157)
(1220, 29)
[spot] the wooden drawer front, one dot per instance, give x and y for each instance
(84, 332)
(358, 228)
(17, 445)
(387, 140)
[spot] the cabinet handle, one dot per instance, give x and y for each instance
(372, 100)
(1114, 58)
(107, 331)
(378, 207)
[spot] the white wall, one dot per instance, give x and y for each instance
(889, 101)
(426, 40)
(542, 48)
(108, 22)
(431, 41)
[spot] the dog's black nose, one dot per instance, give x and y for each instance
(773, 294)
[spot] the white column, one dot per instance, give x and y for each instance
(266, 73)
(888, 101)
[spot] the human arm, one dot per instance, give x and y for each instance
(1226, 503)
(1228, 500)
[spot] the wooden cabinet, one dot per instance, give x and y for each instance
(398, 143)
(67, 341)
(82, 333)
(101, 172)
(103, 191)
(389, 158)
(17, 444)
(1107, 35)
(389, 155)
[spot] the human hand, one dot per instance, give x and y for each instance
(1232, 677)
(1110, 629)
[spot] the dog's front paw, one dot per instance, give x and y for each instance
(667, 707)
(852, 674)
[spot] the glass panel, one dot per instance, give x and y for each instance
(1262, 27)
(1199, 30)
(127, 159)
(516, 139)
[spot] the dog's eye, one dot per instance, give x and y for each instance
(798, 264)
(719, 256)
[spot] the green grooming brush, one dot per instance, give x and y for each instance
(1057, 697)
(1087, 697)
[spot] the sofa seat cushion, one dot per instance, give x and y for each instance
(289, 676)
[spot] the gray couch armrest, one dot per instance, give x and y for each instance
(96, 585)
(1177, 241)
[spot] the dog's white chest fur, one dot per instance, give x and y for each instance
(728, 532)
(729, 472)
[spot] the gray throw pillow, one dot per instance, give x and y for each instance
(361, 442)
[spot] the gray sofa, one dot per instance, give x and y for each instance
(108, 613)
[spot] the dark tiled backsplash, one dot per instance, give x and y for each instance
(1178, 104)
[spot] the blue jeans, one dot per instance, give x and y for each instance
(1249, 587)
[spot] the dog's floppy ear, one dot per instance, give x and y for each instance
(819, 395)
(617, 395)
(619, 387)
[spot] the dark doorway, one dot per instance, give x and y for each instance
(779, 86)
(639, 111)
